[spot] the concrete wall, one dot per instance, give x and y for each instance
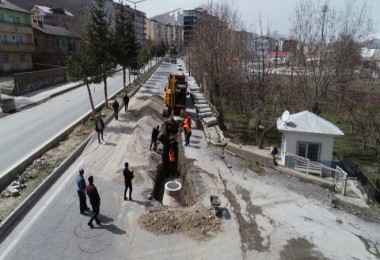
(252, 154)
(31, 81)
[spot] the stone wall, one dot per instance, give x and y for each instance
(31, 81)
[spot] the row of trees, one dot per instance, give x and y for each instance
(105, 43)
(322, 68)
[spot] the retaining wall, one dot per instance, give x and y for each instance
(31, 81)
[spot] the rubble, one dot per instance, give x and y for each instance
(196, 222)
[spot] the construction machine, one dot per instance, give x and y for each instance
(175, 97)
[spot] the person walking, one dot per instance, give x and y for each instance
(93, 195)
(126, 101)
(115, 106)
(81, 184)
(274, 152)
(99, 127)
(128, 176)
(155, 133)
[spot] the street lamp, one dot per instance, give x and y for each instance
(135, 2)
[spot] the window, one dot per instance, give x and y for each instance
(5, 58)
(35, 42)
(15, 20)
(22, 58)
(3, 38)
(309, 150)
(1, 18)
(18, 39)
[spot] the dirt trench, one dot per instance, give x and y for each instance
(165, 172)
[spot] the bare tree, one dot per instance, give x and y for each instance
(323, 36)
(213, 48)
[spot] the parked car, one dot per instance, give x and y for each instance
(179, 67)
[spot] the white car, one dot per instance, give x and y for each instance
(179, 67)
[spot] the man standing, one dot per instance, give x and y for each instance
(274, 152)
(93, 195)
(187, 134)
(128, 176)
(115, 106)
(99, 127)
(81, 183)
(126, 101)
(155, 133)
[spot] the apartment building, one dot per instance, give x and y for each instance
(52, 16)
(190, 19)
(138, 18)
(53, 43)
(16, 38)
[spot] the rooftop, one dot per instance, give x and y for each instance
(307, 122)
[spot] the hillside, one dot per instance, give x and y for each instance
(174, 17)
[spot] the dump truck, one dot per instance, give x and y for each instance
(175, 96)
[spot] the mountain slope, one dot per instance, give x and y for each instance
(174, 17)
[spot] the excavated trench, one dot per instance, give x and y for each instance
(171, 139)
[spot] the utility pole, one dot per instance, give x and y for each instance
(321, 55)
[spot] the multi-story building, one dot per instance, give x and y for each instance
(52, 43)
(190, 19)
(16, 38)
(138, 18)
(52, 16)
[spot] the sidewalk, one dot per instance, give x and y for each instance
(40, 95)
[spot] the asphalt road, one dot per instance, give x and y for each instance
(24, 132)
(54, 229)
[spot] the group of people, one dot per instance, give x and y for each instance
(99, 124)
(93, 194)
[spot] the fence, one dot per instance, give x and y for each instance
(367, 186)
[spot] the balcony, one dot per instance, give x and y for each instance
(17, 46)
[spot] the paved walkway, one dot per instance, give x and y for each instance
(40, 95)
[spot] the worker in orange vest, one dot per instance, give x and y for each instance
(172, 161)
(187, 134)
(188, 120)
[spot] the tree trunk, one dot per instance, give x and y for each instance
(91, 101)
(124, 78)
(105, 90)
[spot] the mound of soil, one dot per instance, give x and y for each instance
(196, 222)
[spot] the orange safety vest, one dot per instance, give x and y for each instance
(187, 128)
(188, 121)
(171, 156)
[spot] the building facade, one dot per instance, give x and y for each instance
(52, 16)
(138, 18)
(53, 44)
(16, 38)
(190, 19)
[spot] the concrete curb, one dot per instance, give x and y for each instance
(10, 222)
(7, 225)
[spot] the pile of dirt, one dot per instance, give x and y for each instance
(196, 222)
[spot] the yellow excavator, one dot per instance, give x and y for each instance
(175, 97)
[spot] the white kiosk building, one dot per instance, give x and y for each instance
(306, 138)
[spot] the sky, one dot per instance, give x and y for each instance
(276, 12)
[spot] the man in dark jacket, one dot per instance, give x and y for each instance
(126, 101)
(99, 127)
(81, 184)
(128, 176)
(115, 106)
(155, 133)
(93, 195)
